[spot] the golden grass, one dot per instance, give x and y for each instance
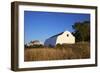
(73, 51)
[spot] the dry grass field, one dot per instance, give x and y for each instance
(66, 51)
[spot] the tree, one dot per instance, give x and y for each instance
(82, 31)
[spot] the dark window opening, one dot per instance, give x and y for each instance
(67, 35)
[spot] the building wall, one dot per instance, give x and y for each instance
(61, 39)
(50, 41)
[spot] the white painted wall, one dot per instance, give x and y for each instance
(61, 39)
(5, 37)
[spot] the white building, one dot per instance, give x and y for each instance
(62, 38)
(35, 42)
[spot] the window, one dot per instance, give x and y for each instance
(67, 35)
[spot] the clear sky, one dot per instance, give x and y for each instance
(42, 25)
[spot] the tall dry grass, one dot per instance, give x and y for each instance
(66, 51)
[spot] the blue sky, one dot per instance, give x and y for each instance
(42, 25)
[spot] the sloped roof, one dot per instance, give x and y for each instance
(57, 35)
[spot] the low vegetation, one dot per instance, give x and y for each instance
(34, 46)
(60, 52)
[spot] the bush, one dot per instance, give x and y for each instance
(35, 46)
(59, 46)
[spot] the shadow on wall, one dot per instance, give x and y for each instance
(50, 42)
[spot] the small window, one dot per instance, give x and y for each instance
(67, 35)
